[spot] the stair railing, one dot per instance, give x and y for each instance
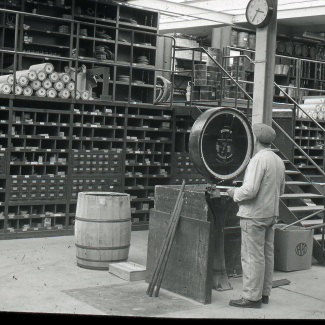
(250, 99)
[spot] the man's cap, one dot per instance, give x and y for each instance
(264, 133)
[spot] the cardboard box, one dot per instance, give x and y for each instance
(292, 248)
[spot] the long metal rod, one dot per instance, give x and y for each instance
(313, 214)
(165, 243)
(170, 243)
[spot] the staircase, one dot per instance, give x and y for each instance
(302, 199)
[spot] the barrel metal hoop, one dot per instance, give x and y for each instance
(104, 261)
(103, 248)
(104, 221)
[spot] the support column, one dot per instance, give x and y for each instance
(264, 71)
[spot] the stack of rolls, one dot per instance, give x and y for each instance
(313, 107)
(42, 81)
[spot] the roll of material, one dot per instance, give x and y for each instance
(18, 89)
(64, 93)
(51, 93)
(47, 84)
(85, 95)
(65, 77)
(36, 84)
(41, 92)
(320, 115)
(314, 100)
(75, 94)
(28, 91)
(308, 106)
(59, 85)
(41, 75)
(70, 85)
(23, 81)
(47, 67)
(5, 88)
(29, 74)
(7, 79)
(54, 76)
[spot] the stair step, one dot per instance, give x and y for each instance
(301, 196)
(318, 237)
(299, 183)
(306, 208)
(311, 222)
(296, 172)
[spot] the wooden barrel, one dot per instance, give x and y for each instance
(102, 229)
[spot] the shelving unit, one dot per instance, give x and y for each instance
(53, 148)
(311, 139)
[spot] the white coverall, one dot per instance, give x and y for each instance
(258, 200)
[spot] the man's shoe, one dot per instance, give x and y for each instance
(244, 303)
(265, 299)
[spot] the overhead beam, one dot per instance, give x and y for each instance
(290, 14)
(165, 6)
(174, 26)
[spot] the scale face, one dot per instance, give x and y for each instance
(221, 143)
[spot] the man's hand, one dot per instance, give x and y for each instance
(231, 192)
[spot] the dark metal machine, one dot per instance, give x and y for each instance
(221, 144)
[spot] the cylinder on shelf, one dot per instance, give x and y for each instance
(234, 38)
(29, 74)
(18, 89)
(70, 85)
(47, 67)
(28, 91)
(85, 95)
(59, 85)
(41, 92)
(243, 39)
(7, 79)
(47, 84)
(64, 93)
(251, 41)
(54, 76)
(75, 94)
(23, 81)
(51, 93)
(65, 77)
(36, 84)
(41, 75)
(5, 88)
(102, 229)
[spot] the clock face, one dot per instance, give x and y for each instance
(259, 12)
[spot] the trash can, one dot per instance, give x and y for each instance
(293, 248)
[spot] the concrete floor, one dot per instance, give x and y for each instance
(39, 276)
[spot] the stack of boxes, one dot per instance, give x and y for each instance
(207, 78)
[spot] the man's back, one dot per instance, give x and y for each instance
(258, 197)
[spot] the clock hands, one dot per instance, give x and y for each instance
(257, 11)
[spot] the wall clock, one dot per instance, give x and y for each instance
(259, 12)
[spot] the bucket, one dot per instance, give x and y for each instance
(102, 229)
(243, 39)
(234, 38)
(251, 41)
